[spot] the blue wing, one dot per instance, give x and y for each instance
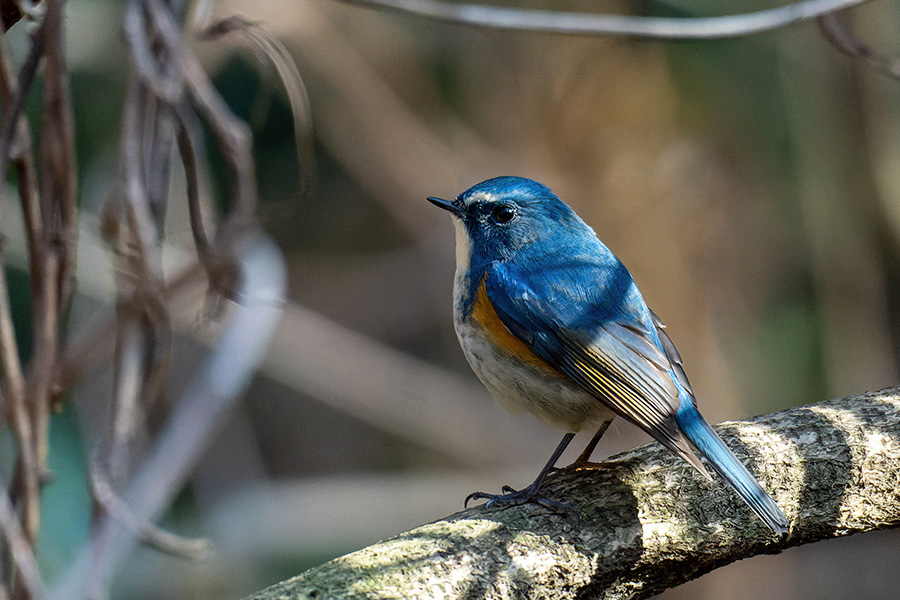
(589, 321)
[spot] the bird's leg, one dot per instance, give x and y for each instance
(584, 459)
(529, 494)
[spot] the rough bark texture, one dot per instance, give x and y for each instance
(647, 522)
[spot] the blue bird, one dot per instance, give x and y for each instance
(553, 323)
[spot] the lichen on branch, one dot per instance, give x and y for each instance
(646, 521)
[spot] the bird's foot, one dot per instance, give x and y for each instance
(513, 497)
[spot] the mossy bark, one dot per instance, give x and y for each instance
(646, 521)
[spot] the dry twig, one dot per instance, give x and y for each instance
(570, 23)
(169, 97)
(838, 35)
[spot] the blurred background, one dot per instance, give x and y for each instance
(751, 186)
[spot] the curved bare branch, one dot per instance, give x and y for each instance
(571, 23)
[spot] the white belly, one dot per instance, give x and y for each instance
(520, 387)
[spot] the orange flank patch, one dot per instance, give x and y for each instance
(484, 314)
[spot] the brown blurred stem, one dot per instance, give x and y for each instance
(52, 284)
(49, 208)
(142, 529)
(265, 43)
(16, 141)
(20, 546)
(188, 140)
(80, 358)
(235, 143)
(838, 35)
(13, 107)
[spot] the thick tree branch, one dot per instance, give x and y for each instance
(647, 521)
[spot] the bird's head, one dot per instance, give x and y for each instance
(507, 218)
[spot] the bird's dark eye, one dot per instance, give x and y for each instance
(504, 213)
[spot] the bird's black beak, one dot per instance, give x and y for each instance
(447, 205)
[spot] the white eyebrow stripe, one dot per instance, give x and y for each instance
(482, 197)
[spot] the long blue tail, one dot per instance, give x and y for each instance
(726, 464)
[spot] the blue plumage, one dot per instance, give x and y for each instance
(553, 323)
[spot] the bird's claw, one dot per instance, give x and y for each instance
(514, 497)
